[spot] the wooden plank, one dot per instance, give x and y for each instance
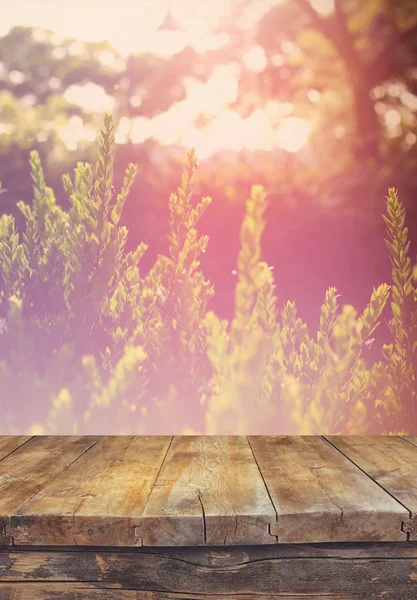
(411, 439)
(222, 556)
(27, 470)
(98, 500)
(269, 576)
(320, 496)
(85, 591)
(10, 443)
(209, 491)
(392, 463)
(64, 563)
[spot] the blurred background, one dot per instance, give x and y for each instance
(314, 99)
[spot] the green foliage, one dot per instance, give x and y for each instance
(401, 355)
(89, 344)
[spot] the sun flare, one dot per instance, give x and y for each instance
(131, 26)
(138, 31)
(293, 134)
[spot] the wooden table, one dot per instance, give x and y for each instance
(206, 517)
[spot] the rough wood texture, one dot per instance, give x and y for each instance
(27, 561)
(409, 438)
(208, 511)
(320, 496)
(81, 591)
(206, 490)
(392, 462)
(98, 500)
(243, 572)
(209, 491)
(10, 443)
(225, 556)
(29, 468)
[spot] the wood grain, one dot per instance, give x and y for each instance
(157, 570)
(82, 591)
(411, 439)
(98, 500)
(320, 496)
(26, 560)
(392, 462)
(209, 491)
(29, 468)
(10, 443)
(206, 490)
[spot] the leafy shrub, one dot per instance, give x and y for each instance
(90, 345)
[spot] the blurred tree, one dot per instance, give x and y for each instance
(362, 44)
(351, 70)
(38, 108)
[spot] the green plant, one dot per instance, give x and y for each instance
(90, 345)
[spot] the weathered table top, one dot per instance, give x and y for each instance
(206, 490)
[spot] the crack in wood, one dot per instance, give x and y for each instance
(267, 491)
(253, 523)
(136, 527)
(18, 448)
(407, 527)
(204, 518)
(334, 503)
(15, 519)
(273, 534)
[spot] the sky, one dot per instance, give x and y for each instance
(134, 30)
(90, 20)
(128, 24)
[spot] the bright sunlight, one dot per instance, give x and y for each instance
(139, 33)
